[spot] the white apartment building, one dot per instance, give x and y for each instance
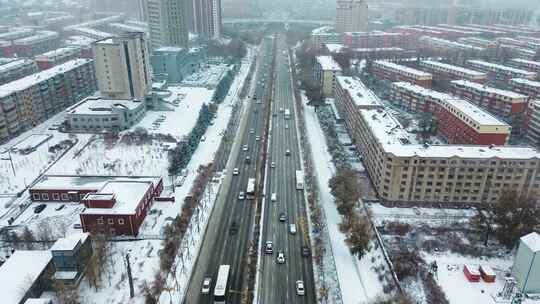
(351, 16)
(167, 23)
(326, 70)
(122, 66)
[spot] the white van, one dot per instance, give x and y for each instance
(274, 197)
(292, 228)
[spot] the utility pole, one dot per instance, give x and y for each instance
(130, 278)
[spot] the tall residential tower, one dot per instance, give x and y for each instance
(207, 18)
(351, 16)
(122, 66)
(167, 23)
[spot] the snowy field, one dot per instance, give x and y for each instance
(357, 279)
(433, 216)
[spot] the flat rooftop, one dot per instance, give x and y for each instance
(406, 69)
(328, 63)
(501, 67)
(69, 242)
(128, 195)
(97, 106)
(532, 240)
(492, 90)
(83, 182)
(16, 64)
(526, 81)
(20, 271)
(67, 50)
(526, 62)
(465, 71)
(361, 95)
(395, 140)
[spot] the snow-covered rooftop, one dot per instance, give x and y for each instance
(79, 40)
(13, 65)
(69, 242)
(64, 51)
(328, 63)
(31, 80)
(128, 196)
(467, 109)
(381, 49)
(128, 28)
(37, 301)
(465, 71)
(489, 65)
(109, 19)
(323, 30)
(17, 34)
(526, 81)
(406, 69)
(97, 106)
(40, 36)
(487, 89)
(524, 62)
(93, 33)
(20, 271)
(361, 95)
(449, 43)
(532, 240)
(334, 47)
(395, 140)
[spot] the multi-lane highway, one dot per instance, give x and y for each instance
(227, 239)
(277, 281)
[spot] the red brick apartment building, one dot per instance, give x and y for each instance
(526, 87)
(458, 120)
(396, 72)
(404, 171)
(499, 71)
(117, 205)
(377, 39)
(532, 122)
(507, 104)
(444, 71)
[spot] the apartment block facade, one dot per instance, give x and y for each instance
(42, 41)
(17, 68)
(167, 23)
(351, 16)
(458, 120)
(444, 71)
(326, 70)
(529, 65)
(26, 102)
(526, 87)
(507, 104)
(396, 72)
(532, 123)
(206, 18)
(49, 59)
(402, 171)
(499, 71)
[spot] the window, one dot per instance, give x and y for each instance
(65, 197)
(35, 196)
(56, 196)
(120, 221)
(100, 221)
(45, 196)
(110, 221)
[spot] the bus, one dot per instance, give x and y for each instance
(220, 289)
(299, 180)
(287, 113)
(250, 190)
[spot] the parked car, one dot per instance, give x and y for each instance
(39, 208)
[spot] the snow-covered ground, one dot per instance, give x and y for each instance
(357, 279)
(420, 215)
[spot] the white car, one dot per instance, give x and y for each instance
(235, 171)
(257, 138)
(281, 109)
(280, 258)
(300, 288)
(245, 148)
(286, 126)
(206, 285)
(252, 131)
(269, 247)
(241, 195)
(273, 165)
(274, 197)
(292, 228)
(287, 152)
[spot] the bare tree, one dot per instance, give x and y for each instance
(66, 294)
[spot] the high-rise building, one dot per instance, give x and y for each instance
(351, 16)
(122, 66)
(206, 18)
(167, 23)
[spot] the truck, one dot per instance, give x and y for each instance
(250, 190)
(287, 113)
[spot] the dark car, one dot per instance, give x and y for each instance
(305, 251)
(282, 217)
(39, 208)
(234, 228)
(248, 159)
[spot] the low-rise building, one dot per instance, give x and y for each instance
(506, 104)
(404, 171)
(324, 35)
(478, 42)
(396, 72)
(96, 114)
(444, 71)
(526, 268)
(42, 41)
(526, 87)
(28, 101)
(51, 58)
(176, 63)
(15, 69)
(499, 71)
(529, 65)
(441, 44)
(515, 51)
(458, 120)
(70, 256)
(325, 71)
(26, 274)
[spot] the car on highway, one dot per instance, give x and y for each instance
(282, 217)
(305, 251)
(39, 208)
(292, 228)
(241, 195)
(274, 114)
(287, 152)
(269, 247)
(251, 131)
(234, 228)
(257, 138)
(280, 109)
(300, 288)
(286, 126)
(274, 197)
(273, 165)
(248, 159)
(280, 257)
(235, 171)
(206, 285)
(244, 147)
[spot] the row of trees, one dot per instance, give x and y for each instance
(182, 153)
(235, 49)
(345, 188)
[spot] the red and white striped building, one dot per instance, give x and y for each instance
(446, 71)
(526, 87)
(397, 72)
(458, 120)
(499, 71)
